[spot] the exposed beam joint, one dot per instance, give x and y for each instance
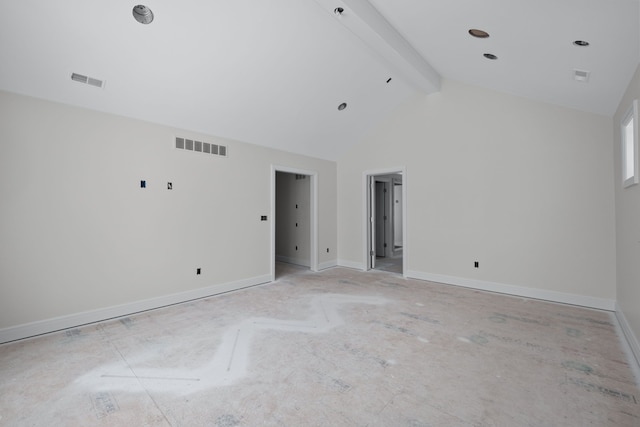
(363, 20)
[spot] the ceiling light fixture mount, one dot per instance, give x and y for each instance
(581, 43)
(342, 106)
(490, 56)
(142, 14)
(480, 34)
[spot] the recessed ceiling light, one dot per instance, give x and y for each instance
(342, 106)
(581, 43)
(490, 56)
(478, 33)
(143, 14)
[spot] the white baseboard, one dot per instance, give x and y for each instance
(294, 261)
(351, 264)
(521, 291)
(73, 320)
(632, 340)
(327, 264)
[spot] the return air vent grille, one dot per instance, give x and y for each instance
(87, 80)
(581, 75)
(201, 147)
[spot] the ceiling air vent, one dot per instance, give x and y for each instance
(87, 80)
(201, 147)
(79, 78)
(581, 75)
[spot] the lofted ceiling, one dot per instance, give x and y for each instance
(274, 72)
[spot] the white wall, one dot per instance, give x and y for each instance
(627, 230)
(79, 234)
(293, 213)
(523, 187)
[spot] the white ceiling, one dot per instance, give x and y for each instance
(274, 72)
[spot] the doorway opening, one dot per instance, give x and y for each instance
(385, 220)
(294, 228)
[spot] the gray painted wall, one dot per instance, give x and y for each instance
(79, 234)
(627, 226)
(523, 187)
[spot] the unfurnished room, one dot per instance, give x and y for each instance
(314, 213)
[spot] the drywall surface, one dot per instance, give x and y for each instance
(627, 223)
(293, 214)
(79, 233)
(522, 187)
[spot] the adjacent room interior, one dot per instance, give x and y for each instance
(359, 212)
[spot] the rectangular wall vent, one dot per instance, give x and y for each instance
(87, 80)
(201, 147)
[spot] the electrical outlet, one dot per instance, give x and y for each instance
(327, 250)
(263, 218)
(476, 264)
(143, 184)
(198, 270)
(169, 186)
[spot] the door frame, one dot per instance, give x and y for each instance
(368, 215)
(313, 220)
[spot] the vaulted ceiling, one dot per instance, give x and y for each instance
(274, 72)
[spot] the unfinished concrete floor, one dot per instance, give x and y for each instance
(390, 264)
(336, 348)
